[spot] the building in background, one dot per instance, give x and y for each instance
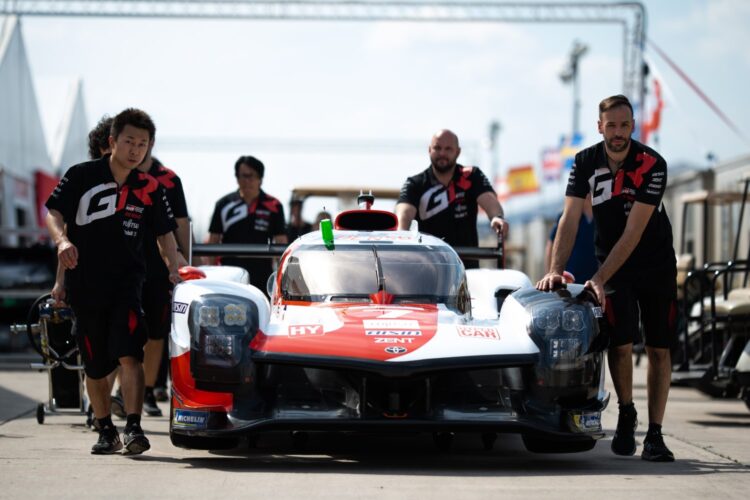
(29, 168)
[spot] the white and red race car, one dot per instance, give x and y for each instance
(373, 329)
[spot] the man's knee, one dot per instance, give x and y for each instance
(658, 356)
(129, 362)
(621, 351)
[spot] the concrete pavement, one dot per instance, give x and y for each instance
(710, 439)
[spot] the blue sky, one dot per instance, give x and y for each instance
(336, 85)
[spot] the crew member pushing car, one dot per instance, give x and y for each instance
(637, 275)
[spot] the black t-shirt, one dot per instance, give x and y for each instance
(107, 224)
(643, 178)
(258, 222)
(448, 212)
(157, 273)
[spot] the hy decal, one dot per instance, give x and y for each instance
(305, 330)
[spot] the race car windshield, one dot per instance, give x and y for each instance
(410, 274)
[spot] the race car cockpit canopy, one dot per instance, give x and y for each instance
(375, 273)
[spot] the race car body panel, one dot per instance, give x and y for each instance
(394, 334)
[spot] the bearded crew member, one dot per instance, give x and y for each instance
(445, 197)
(636, 279)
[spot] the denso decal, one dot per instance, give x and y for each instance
(481, 332)
(389, 340)
(396, 349)
(190, 418)
(304, 330)
(390, 324)
(394, 333)
(179, 307)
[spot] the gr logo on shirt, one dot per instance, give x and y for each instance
(233, 213)
(601, 185)
(433, 201)
(97, 203)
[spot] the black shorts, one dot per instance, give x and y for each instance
(106, 334)
(157, 311)
(650, 297)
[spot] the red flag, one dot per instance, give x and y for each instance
(652, 124)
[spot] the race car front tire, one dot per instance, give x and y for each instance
(202, 442)
(541, 444)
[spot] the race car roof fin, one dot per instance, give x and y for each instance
(366, 220)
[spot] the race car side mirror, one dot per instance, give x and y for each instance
(270, 284)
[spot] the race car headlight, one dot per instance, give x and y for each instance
(554, 318)
(561, 330)
(220, 326)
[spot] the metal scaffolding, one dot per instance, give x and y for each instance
(631, 16)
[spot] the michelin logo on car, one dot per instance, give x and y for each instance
(188, 418)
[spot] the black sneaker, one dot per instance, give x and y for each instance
(150, 407)
(117, 406)
(654, 449)
(161, 393)
(135, 441)
(623, 442)
(108, 443)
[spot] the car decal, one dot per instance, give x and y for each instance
(359, 332)
(478, 332)
(302, 330)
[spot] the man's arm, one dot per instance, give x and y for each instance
(547, 255)
(564, 241)
(182, 236)
(58, 289)
(638, 219)
(168, 251)
(67, 253)
(405, 213)
(491, 206)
